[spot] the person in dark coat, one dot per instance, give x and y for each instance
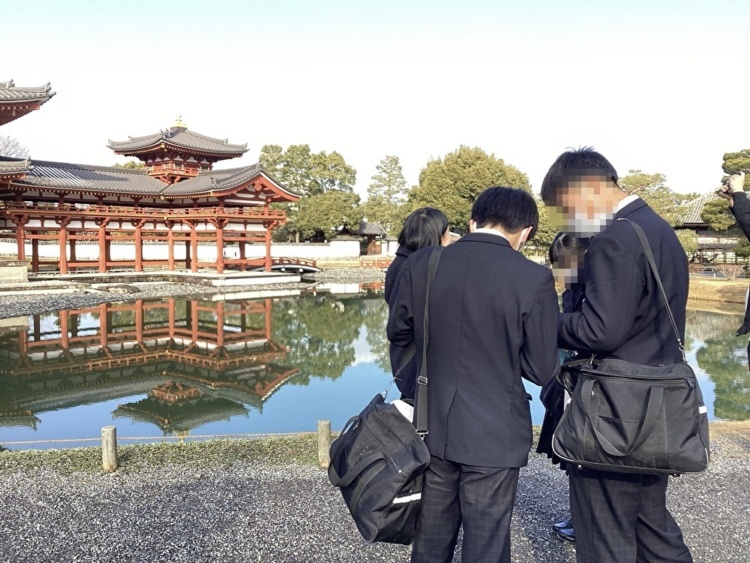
(566, 255)
(733, 191)
(619, 517)
(424, 227)
(493, 319)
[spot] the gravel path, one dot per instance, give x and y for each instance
(251, 512)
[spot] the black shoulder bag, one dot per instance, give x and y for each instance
(379, 459)
(633, 418)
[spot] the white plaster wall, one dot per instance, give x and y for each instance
(89, 250)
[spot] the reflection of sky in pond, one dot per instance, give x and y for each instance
(305, 359)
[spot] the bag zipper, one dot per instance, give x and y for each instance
(386, 450)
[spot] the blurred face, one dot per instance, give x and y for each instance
(567, 269)
(585, 206)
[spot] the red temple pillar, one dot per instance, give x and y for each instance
(63, 242)
(64, 334)
(193, 248)
(268, 261)
(139, 247)
(103, 246)
(170, 247)
(220, 250)
(220, 324)
(21, 237)
(139, 321)
(34, 255)
(171, 318)
(103, 325)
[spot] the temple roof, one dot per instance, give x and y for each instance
(692, 217)
(9, 92)
(14, 166)
(179, 138)
(18, 101)
(62, 176)
(370, 229)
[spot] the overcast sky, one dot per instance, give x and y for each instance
(660, 86)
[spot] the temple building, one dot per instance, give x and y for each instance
(195, 362)
(176, 198)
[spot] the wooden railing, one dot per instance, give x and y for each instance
(85, 210)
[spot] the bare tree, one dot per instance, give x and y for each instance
(731, 271)
(10, 146)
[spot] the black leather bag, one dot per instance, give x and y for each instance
(380, 457)
(632, 418)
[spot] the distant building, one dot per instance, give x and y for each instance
(711, 244)
(175, 198)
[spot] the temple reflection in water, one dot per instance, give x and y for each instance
(195, 361)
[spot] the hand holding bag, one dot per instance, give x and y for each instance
(379, 459)
(633, 418)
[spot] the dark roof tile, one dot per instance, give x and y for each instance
(178, 137)
(9, 92)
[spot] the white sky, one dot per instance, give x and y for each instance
(661, 86)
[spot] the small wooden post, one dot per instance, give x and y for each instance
(324, 443)
(109, 448)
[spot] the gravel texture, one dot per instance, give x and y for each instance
(13, 304)
(349, 275)
(239, 509)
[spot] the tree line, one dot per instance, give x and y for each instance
(450, 183)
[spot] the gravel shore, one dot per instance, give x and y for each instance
(14, 304)
(237, 509)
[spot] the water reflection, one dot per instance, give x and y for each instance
(266, 365)
(723, 357)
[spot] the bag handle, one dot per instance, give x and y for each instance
(655, 400)
(354, 471)
(652, 264)
(420, 420)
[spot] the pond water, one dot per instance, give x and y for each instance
(181, 368)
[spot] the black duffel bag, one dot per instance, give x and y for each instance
(380, 457)
(633, 418)
(378, 462)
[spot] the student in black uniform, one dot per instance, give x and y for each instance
(424, 227)
(566, 255)
(619, 517)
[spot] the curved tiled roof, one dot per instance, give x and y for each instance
(178, 137)
(83, 177)
(9, 92)
(13, 166)
(16, 102)
(63, 176)
(693, 215)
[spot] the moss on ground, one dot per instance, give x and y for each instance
(301, 449)
(729, 439)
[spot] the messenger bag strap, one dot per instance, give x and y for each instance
(420, 420)
(652, 264)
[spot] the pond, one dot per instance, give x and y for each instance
(178, 367)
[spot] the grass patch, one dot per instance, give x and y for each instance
(718, 290)
(302, 449)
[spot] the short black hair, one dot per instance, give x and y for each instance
(564, 241)
(574, 162)
(423, 227)
(512, 209)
